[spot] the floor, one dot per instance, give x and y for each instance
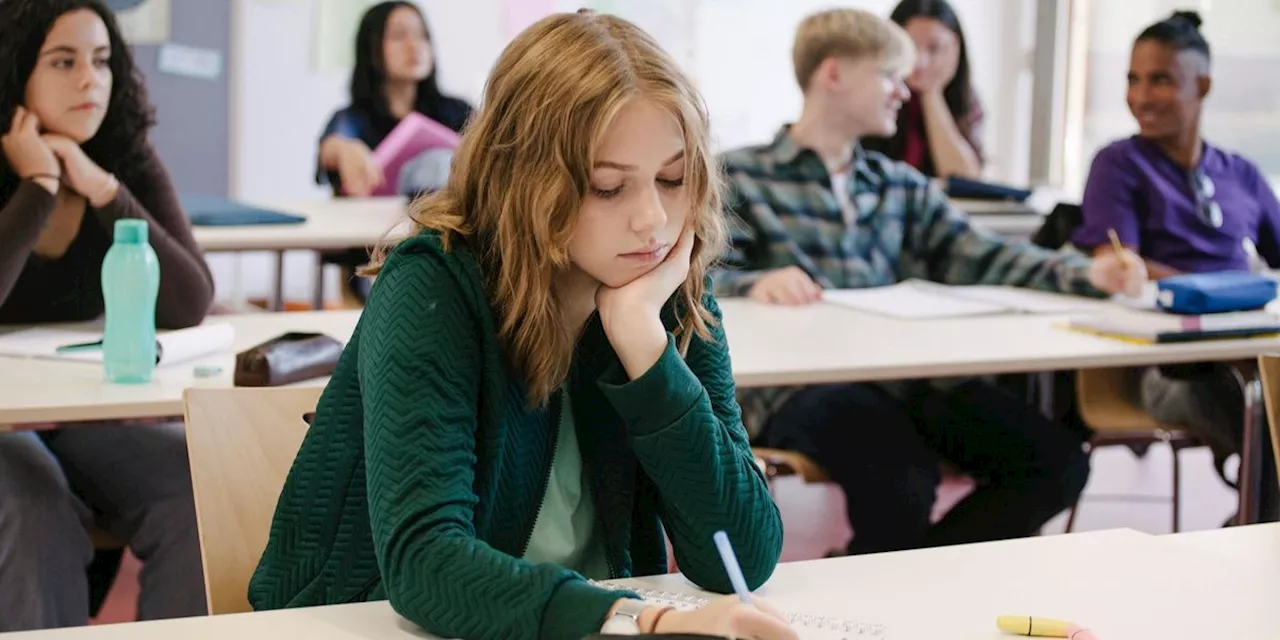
(1123, 491)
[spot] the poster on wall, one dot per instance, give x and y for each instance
(143, 21)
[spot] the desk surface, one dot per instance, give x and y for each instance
(363, 222)
(1258, 543)
(1122, 584)
(57, 391)
(769, 346)
(331, 224)
(773, 345)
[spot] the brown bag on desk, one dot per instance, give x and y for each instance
(290, 358)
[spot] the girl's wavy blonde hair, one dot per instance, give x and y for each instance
(524, 167)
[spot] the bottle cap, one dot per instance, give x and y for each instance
(131, 231)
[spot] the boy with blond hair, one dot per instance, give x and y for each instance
(815, 211)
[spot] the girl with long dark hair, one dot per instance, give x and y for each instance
(74, 116)
(394, 75)
(940, 127)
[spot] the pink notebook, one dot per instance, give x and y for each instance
(415, 133)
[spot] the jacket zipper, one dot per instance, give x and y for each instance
(556, 407)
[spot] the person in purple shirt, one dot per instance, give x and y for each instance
(1185, 206)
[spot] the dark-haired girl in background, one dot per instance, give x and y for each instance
(74, 116)
(1185, 206)
(940, 127)
(394, 75)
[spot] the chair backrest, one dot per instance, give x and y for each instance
(242, 443)
(1269, 367)
(1058, 226)
(1108, 400)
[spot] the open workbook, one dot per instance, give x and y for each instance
(1158, 328)
(809, 627)
(923, 300)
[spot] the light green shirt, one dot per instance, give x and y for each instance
(565, 532)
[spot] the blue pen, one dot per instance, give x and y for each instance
(732, 567)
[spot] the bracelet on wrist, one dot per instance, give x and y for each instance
(37, 176)
(657, 617)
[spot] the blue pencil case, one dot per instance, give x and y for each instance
(1222, 292)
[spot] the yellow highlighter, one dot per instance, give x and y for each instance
(1042, 627)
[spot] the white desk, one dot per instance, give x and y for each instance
(773, 345)
(347, 223)
(1258, 544)
(57, 391)
(1020, 226)
(364, 621)
(331, 224)
(769, 346)
(1122, 584)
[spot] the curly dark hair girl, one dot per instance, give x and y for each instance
(121, 141)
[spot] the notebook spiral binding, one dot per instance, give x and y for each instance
(828, 626)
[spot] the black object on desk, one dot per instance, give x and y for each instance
(977, 189)
(208, 211)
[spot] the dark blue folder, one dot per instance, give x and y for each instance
(208, 211)
(965, 188)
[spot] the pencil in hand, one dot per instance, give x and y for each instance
(1119, 248)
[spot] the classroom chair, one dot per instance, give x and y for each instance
(777, 463)
(1269, 367)
(242, 443)
(1109, 403)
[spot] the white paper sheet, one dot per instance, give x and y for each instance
(909, 301)
(921, 300)
(175, 346)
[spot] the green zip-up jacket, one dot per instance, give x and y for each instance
(423, 473)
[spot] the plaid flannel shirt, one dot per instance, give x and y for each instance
(784, 213)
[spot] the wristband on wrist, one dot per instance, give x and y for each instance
(657, 617)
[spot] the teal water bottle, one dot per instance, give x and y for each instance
(130, 283)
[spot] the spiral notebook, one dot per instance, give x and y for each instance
(809, 627)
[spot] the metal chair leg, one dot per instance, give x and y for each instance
(1071, 513)
(1249, 480)
(1071, 517)
(1177, 488)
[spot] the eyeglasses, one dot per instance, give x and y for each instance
(1204, 189)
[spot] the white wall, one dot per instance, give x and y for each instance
(738, 50)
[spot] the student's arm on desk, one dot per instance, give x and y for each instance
(746, 264)
(949, 249)
(1155, 270)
